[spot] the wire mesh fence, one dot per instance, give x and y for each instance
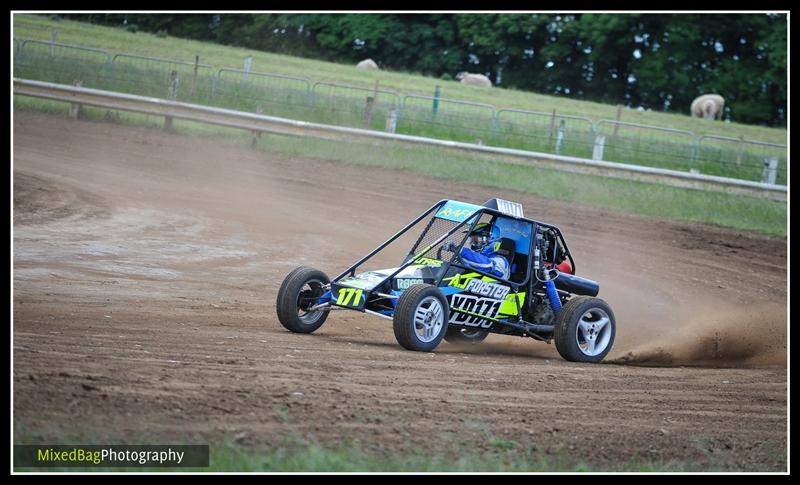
(167, 78)
(646, 145)
(60, 63)
(376, 108)
(546, 132)
(354, 106)
(260, 92)
(744, 159)
(447, 119)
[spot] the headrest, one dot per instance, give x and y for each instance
(505, 247)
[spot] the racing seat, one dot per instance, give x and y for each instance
(508, 249)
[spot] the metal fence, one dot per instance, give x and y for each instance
(181, 80)
(57, 51)
(644, 145)
(748, 159)
(448, 119)
(261, 92)
(547, 132)
(354, 106)
(79, 97)
(382, 109)
(63, 63)
(159, 64)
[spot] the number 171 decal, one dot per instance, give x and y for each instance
(349, 297)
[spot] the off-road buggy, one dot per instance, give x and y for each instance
(433, 294)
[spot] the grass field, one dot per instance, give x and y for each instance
(474, 115)
(735, 211)
(120, 40)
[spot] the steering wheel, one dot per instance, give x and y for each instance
(440, 251)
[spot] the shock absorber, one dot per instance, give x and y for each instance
(552, 294)
(549, 284)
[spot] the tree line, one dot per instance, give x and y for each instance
(654, 61)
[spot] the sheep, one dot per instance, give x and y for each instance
(474, 79)
(367, 64)
(708, 106)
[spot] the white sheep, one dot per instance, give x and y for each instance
(367, 64)
(474, 79)
(708, 106)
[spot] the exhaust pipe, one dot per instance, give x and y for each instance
(576, 284)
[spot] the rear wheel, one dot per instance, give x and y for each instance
(464, 335)
(585, 329)
(420, 319)
(297, 295)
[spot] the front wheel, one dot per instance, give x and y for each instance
(420, 319)
(585, 329)
(298, 294)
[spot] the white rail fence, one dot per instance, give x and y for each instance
(172, 110)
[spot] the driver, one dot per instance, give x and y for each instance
(481, 254)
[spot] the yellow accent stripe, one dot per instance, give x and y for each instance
(509, 307)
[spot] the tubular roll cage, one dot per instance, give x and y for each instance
(471, 220)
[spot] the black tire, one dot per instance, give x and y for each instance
(577, 345)
(456, 334)
(300, 289)
(408, 328)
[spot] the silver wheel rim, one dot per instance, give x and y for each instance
(309, 318)
(593, 332)
(428, 319)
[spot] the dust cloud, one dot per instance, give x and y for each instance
(716, 335)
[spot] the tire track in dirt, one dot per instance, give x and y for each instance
(146, 267)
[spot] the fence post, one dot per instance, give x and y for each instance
(194, 74)
(370, 106)
(53, 38)
(368, 111)
(599, 143)
(248, 61)
(174, 79)
(560, 136)
(619, 116)
(216, 81)
(256, 133)
(75, 108)
(739, 151)
(391, 120)
(437, 93)
(552, 126)
(770, 172)
(310, 95)
(695, 152)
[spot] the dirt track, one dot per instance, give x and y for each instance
(145, 272)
